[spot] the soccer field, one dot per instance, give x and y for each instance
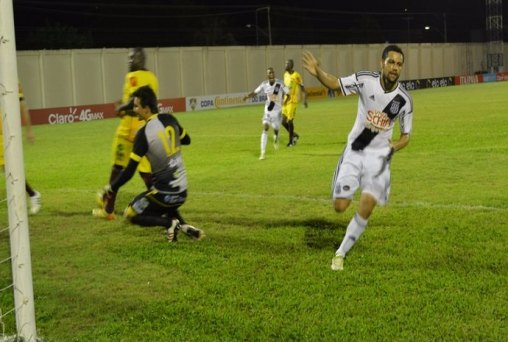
(431, 265)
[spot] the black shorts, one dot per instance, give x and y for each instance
(155, 203)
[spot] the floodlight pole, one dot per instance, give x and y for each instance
(445, 34)
(267, 8)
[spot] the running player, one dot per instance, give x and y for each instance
(274, 90)
(365, 162)
(294, 82)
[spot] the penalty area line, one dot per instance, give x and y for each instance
(419, 204)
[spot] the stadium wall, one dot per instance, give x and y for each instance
(70, 83)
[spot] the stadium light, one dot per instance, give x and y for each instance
(444, 32)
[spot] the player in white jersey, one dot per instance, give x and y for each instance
(274, 90)
(365, 162)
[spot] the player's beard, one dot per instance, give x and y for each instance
(389, 84)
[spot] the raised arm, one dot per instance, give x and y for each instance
(311, 64)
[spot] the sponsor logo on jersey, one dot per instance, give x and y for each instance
(377, 121)
(133, 81)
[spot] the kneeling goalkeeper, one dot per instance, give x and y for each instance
(160, 139)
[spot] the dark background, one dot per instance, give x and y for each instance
(152, 23)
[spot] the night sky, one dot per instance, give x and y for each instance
(162, 23)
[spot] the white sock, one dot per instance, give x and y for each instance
(353, 232)
(264, 140)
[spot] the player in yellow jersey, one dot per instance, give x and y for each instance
(294, 82)
(35, 196)
(137, 77)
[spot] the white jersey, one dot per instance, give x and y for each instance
(274, 95)
(377, 110)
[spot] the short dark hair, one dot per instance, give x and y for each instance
(140, 53)
(147, 97)
(394, 48)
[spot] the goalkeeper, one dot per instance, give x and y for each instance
(365, 162)
(160, 140)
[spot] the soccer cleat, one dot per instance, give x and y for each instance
(262, 156)
(192, 231)
(290, 144)
(172, 231)
(338, 263)
(295, 139)
(101, 213)
(99, 198)
(35, 203)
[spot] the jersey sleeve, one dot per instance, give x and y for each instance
(259, 88)
(126, 92)
(349, 85)
(140, 145)
(154, 84)
(184, 136)
(298, 78)
(406, 118)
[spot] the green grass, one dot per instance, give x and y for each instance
(432, 265)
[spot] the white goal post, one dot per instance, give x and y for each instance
(15, 178)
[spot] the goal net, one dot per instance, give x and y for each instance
(16, 289)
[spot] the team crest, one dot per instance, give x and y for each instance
(395, 106)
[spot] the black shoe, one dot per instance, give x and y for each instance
(192, 231)
(295, 139)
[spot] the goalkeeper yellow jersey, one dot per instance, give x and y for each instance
(293, 82)
(129, 125)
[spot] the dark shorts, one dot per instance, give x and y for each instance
(154, 203)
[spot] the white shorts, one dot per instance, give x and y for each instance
(364, 170)
(272, 119)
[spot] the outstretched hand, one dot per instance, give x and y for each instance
(310, 63)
